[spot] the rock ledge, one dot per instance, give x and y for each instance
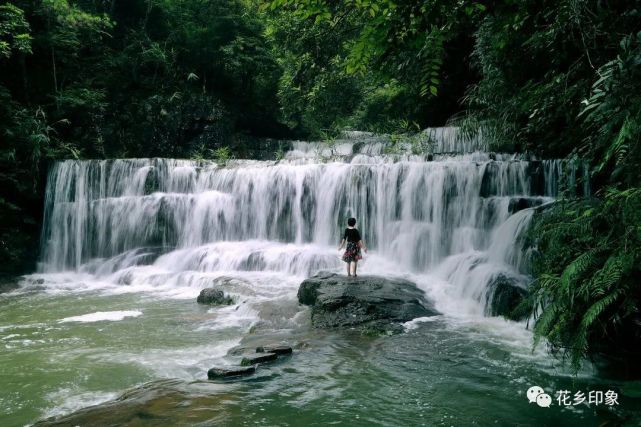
(372, 304)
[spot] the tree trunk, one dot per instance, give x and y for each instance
(23, 71)
(55, 76)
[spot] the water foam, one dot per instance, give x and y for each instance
(99, 316)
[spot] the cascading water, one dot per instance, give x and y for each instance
(453, 215)
(128, 245)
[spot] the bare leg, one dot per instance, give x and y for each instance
(348, 273)
(355, 265)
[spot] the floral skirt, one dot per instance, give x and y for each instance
(352, 252)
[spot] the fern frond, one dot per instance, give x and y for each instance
(606, 277)
(597, 308)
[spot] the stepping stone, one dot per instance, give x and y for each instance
(216, 373)
(278, 349)
(252, 359)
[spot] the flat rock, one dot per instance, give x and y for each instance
(227, 372)
(253, 359)
(214, 297)
(278, 349)
(371, 304)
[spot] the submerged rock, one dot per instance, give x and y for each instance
(278, 349)
(214, 297)
(228, 281)
(372, 304)
(504, 295)
(158, 403)
(227, 372)
(232, 284)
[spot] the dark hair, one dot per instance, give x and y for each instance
(351, 222)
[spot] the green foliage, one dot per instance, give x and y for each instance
(537, 61)
(279, 154)
(14, 31)
(408, 140)
(222, 155)
(386, 109)
(612, 113)
(586, 291)
(315, 92)
(586, 295)
(139, 78)
(367, 64)
(402, 39)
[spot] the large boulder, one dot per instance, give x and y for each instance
(504, 294)
(372, 304)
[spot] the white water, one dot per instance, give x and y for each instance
(172, 226)
(99, 316)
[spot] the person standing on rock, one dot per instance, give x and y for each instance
(352, 238)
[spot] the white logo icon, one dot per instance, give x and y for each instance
(543, 400)
(532, 392)
(536, 394)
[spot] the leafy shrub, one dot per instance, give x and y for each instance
(587, 293)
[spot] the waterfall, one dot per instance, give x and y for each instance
(418, 213)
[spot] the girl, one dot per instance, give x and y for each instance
(352, 254)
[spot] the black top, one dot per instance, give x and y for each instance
(352, 235)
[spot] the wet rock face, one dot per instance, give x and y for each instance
(277, 349)
(536, 174)
(371, 304)
(230, 372)
(250, 362)
(8, 286)
(253, 359)
(520, 203)
(504, 295)
(213, 296)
